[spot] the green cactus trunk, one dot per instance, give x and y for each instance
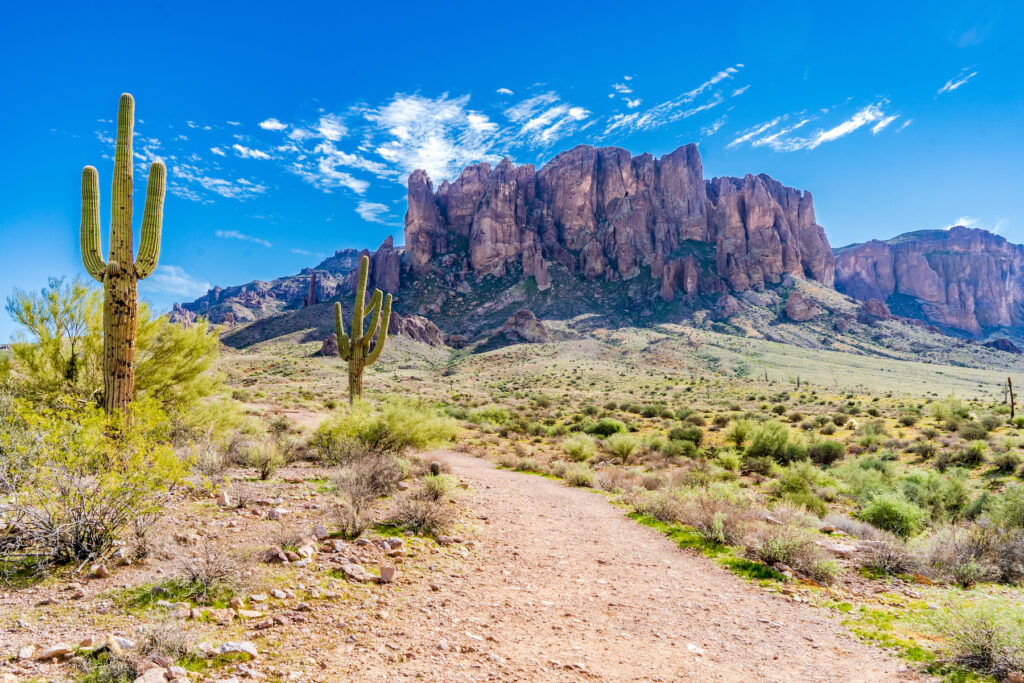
(356, 348)
(120, 275)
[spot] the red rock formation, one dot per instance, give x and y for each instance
(604, 214)
(524, 326)
(964, 279)
(799, 308)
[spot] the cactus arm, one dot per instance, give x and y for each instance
(344, 348)
(374, 315)
(385, 318)
(91, 258)
(152, 219)
(121, 209)
(357, 308)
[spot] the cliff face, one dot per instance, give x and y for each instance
(962, 279)
(602, 213)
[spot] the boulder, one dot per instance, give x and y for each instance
(799, 308)
(524, 326)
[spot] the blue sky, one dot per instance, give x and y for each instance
(288, 131)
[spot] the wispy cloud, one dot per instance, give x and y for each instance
(183, 179)
(235, 235)
(303, 252)
(781, 139)
(713, 127)
(218, 151)
(957, 81)
(374, 212)
(504, 91)
(680, 107)
(972, 222)
(249, 152)
(168, 279)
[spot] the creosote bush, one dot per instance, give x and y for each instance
(621, 445)
(397, 424)
(579, 447)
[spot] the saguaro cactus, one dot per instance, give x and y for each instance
(356, 348)
(120, 274)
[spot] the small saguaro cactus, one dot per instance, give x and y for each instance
(356, 348)
(120, 274)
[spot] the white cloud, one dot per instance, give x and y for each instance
(182, 179)
(781, 140)
(751, 133)
(439, 135)
(168, 279)
(248, 152)
(622, 88)
(883, 124)
(739, 91)
(303, 252)
(633, 104)
(235, 235)
(672, 110)
(373, 212)
(218, 151)
(972, 222)
(273, 124)
(504, 91)
(713, 127)
(957, 81)
(331, 128)
(905, 124)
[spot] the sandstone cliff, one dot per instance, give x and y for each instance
(961, 279)
(603, 214)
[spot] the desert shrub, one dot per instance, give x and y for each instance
(1007, 509)
(208, 575)
(972, 431)
(924, 449)
(730, 461)
(948, 409)
(738, 432)
(894, 514)
(693, 434)
(421, 515)
(807, 500)
(621, 445)
(75, 478)
(962, 553)
(579, 447)
(840, 419)
(436, 486)
(943, 497)
(397, 424)
(265, 459)
(1006, 462)
(579, 475)
(489, 415)
(758, 464)
(871, 434)
(990, 422)
(908, 418)
(828, 429)
(770, 440)
(972, 455)
(360, 483)
(680, 449)
(718, 514)
(61, 349)
(660, 505)
(890, 556)
(778, 409)
(606, 427)
(825, 451)
(984, 635)
(790, 546)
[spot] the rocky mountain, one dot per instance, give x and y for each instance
(961, 280)
(601, 213)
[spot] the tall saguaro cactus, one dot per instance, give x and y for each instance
(356, 348)
(120, 274)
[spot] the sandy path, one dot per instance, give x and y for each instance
(564, 587)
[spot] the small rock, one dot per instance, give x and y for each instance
(279, 594)
(258, 597)
(155, 675)
(99, 571)
(320, 533)
(237, 646)
(54, 651)
(387, 574)
(236, 603)
(695, 649)
(354, 572)
(306, 551)
(276, 514)
(223, 499)
(828, 529)
(26, 652)
(1015, 677)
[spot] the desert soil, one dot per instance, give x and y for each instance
(563, 586)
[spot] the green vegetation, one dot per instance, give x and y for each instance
(355, 348)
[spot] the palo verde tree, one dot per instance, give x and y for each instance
(356, 348)
(120, 274)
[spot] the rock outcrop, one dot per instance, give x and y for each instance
(416, 327)
(524, 326)
(799, 308)
(961, 279)
(602, 213)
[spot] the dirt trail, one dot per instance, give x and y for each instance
(564, 587)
